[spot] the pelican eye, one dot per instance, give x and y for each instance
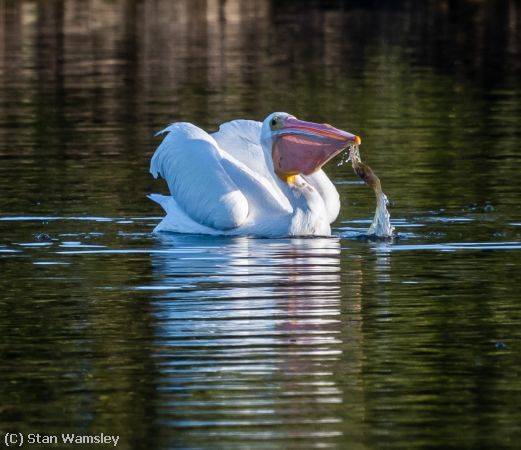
(275, 123)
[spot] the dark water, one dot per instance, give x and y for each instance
(196, 342)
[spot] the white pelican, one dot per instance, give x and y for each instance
(249, 178)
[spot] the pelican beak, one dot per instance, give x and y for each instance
(304, 147)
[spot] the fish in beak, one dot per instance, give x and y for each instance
(301, 147)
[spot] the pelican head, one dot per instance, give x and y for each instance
(299, 147)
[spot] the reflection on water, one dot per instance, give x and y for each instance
(233, 312)
(275, 343)
(197, 342)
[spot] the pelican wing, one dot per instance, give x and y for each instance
(261, 196)
(176, 220)
(190, 161)
(240, 139)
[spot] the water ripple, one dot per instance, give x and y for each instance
(260, 310)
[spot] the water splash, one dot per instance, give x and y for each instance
(345, 157)
(381, 226)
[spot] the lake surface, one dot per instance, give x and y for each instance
(179, 341)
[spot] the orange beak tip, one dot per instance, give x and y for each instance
(358, 140)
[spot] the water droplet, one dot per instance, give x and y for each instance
(42, 237)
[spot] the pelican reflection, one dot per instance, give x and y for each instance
(248, 335)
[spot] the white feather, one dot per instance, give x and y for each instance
(189, 160)
(176, 220)
(327, 190)
(224, 183)
(241, 139)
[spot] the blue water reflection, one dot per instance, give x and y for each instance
(248, 336)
